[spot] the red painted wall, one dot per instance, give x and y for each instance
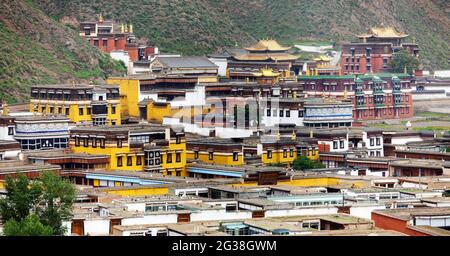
(389, 223)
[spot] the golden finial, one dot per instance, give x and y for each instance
(311, 134)
(294, 135)
(345, 93)
(5, 109)
(131, 28)
(100, 18)
(278, 136)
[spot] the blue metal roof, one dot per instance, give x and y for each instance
(124, 179)
(215, 172)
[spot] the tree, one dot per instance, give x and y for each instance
(304, 163)
(58, 196)
(30, 226)
(21, 198)
(49, 198)
(403, 59)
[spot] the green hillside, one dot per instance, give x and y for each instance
(36, 49)
(202, 26)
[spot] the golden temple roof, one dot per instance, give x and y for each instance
(264, 57)
(383, 32)
(266, 73)
(267, 45)
(322, 58)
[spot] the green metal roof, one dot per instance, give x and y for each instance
(325, 77)
(364, 77)
(384, 75)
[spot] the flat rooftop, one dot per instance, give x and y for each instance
(27, 168)
(408, 213)
(122, 128)
(418, 163)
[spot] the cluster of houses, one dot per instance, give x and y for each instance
(206, 145)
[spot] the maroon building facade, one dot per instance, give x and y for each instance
(374, 52)
(378, 96)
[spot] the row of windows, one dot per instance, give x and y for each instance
(380, 98)
(129, 161)
(372, 141)
(313, 203)
(95, 142)
(44, 143)
(285, 153)
(89, 111)
(352, 87)
(105, 42)
(282, 112)
(375, 153)
(370, 112)
(341, 144)
(59, 110)
(156, 160)
(211, 155)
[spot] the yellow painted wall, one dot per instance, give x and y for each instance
(139, 191)
(129, 95)
(75, 116)
(208, 79)
(217, 159)
(116, 116)
(74, 113)
(2, 184)
(174, 165)
(277, 157)
(156, 113)
(313, 182)
(111, 150)
(315, 156)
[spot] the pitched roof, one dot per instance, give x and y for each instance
(267, 45)
(186, 62)
(383, 32)
(263, 57)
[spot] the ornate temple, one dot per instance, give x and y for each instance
(374, 52)
(265, 54)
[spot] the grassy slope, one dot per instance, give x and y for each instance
(201, 26)
(36, 49)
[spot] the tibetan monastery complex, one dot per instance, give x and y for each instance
(252, 141)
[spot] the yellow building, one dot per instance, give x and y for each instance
(151, 97)
(151, 148)
(129, 94)
(284, 150)
(88, 104)
(216, 151)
